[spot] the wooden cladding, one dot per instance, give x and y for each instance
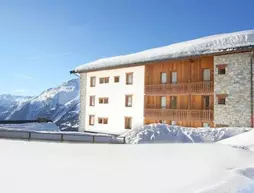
(179, 114)
(193, 88)
(180, 71)
(180, 90)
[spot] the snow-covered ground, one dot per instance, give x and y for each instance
(163, 133)
(29, 167)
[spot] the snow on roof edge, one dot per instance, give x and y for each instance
(215, 44)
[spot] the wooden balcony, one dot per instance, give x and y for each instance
(179, 114)
(192, 88)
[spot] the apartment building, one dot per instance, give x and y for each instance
(199, 83)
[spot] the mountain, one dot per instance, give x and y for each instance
(60, 104)
(9, 102)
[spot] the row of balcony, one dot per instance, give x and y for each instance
(179, 114)
(191, 88)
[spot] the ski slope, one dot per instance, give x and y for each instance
(29, 167)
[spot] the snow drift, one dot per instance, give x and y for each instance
(163, 133)
(244, 140)
(206, 45)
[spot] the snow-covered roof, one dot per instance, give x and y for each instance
(202, 46)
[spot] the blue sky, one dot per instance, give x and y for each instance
(41, 41)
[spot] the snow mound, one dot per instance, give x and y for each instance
(244, 140)
(163, 133)
(206, 45)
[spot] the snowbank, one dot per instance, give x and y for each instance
(163, 133)
(29, 167)
(205, 45)
(244, 140)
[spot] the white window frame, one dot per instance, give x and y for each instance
(174, 77)
(163, 77)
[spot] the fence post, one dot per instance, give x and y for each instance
(29, 135)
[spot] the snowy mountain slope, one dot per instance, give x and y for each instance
(206, 45)
(9, 102)
(60, 104)
(163, 133)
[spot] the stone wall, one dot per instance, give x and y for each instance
(82, 113)
(236, 83)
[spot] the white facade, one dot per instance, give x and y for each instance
(115, 110)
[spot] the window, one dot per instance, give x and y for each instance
(163, 102)
(206, 75)
(206, 102)
(103, 100)
(91, 120)
(163, 77)
(127, 122)
(173, 102)
(221, 99)
(92, 101)
(221, 71)
(129, 78)
(221, 68)
(102, 120)
(117, 79)
(173, 122)
(163, 121)
(128, 100)
(205, 124)
(104, 80)
(92, 81)
(174, 77)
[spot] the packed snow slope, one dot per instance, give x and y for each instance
(29, 167)
(163, 133)
(60, 104)
(206, 45)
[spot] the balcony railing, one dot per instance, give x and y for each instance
(205, 87)
(179, 114)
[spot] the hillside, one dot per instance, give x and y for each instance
(60, 104)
